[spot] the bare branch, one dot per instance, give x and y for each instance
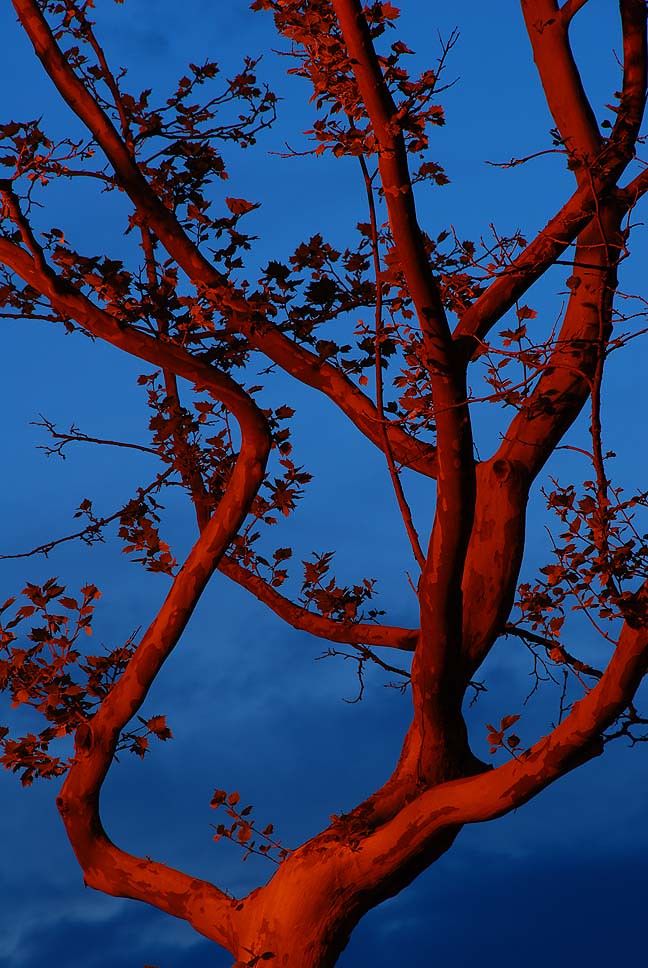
(74, 435)
(570, 8)
(92, 532)
(404, 507)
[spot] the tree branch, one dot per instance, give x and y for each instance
(308, 368)
(76, 436)
(531, 264)
(551, 644)
(440, 584)
(495, 793)
(566, 382)
(265, 337)
(570, 8)
(92, 532)
(189, 471)
(562, 84)
(404, 508)
(360, 633)
(498, 534)
(105, 866)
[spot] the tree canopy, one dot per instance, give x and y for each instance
(472, 368)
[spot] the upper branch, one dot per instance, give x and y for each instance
(570, 8)
(561, 81)
(604, 172)
(397, 186)
(454, 438)
(265, 337)
(568, 379)
(529, 266)
(620, 147)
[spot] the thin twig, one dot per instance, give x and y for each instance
(404, 507)
(76, 436)
(91, 532)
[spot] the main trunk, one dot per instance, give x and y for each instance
(302, 950)
(297, 922)
(304, 916)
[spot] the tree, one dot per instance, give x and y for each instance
(420, 313)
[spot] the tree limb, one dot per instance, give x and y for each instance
(562, 84)
(105, 866)
(495, 793)
(296, 360)
(570, 8)
(351, 633)
(440, 584)
(531, 264)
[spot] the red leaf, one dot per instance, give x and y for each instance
(239, 206)
(244, 833)
(525, 312)
(158, 726)
(219, 797)
(68, 603)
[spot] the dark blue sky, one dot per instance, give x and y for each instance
(561, 880)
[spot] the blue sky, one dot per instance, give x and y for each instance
(251, 709)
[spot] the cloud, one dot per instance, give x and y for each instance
(132, 937)
(471, 909)
(38, 908)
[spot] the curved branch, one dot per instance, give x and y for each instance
(360, 633)
(105, 866)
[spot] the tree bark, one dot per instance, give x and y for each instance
(305, 915)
